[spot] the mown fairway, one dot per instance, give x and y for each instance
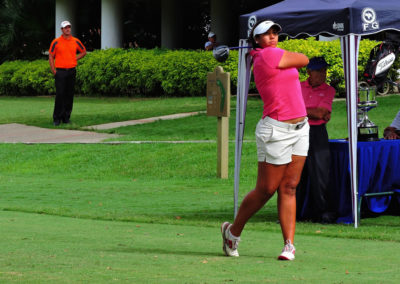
(150, 213)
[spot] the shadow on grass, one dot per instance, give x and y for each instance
(172, 251)
(266, 214)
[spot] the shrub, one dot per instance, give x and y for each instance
(34, 77)
(7, 71)
(331, 50)
(158, 72)
(118, 72)
(24, 78)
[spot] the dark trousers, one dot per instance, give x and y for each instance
(65, 85)
(314, 184)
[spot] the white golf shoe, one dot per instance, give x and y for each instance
(229, 243)
(288, 251)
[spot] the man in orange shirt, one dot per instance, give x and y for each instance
(64, 54)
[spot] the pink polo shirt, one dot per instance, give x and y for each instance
(279, 88)
(321, 96)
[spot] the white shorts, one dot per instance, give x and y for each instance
(277, 141)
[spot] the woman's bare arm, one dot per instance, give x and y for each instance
(293, 59)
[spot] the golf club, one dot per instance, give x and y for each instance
(221, 53)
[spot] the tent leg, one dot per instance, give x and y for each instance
(350, 44)
(242, 93)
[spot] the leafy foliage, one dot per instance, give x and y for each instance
(159, 72)
(331, 50)
(25, 29)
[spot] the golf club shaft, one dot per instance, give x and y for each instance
(238, 47)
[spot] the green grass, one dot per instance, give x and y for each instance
(41, 248)
(38, 111)
(382, 116)
(203, 127)
(93, 111)
(150, 213)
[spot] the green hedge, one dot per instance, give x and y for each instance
(157, 72)
(117, 72)
(331, 50)
(26, 78)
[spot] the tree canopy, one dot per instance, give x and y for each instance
(26, 28)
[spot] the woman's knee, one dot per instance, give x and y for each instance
(288, 186)
(264, 192)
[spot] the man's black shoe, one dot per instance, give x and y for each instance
(66, 121)
(56, 123)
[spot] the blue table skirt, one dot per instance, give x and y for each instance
(378, 171)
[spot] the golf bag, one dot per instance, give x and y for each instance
(380, 60)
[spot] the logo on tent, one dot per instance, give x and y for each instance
(250, 24)
(338, 26)
(368, 16)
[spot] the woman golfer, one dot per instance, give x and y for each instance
(281, 135)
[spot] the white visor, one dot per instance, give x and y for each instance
(263, 27)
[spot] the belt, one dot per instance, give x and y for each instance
(65, 69)
(288, 126)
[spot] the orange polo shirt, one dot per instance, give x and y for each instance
(65, 50)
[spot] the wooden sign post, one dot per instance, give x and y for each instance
(219, 104)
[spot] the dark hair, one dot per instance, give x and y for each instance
(251, 38)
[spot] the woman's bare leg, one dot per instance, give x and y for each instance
(269, 178)
(287, 197)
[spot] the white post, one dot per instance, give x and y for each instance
(221, 19)
(111, 24)
(65, 11)
(171, 19)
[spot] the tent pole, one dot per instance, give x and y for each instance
(241, 101)
(350, 44)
